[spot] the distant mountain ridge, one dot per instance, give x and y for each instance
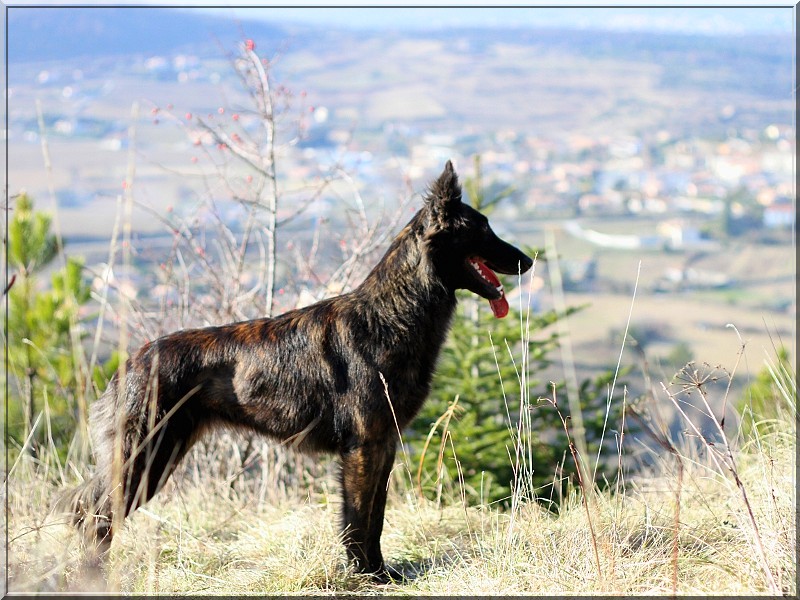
(45, 34)
(54, 32)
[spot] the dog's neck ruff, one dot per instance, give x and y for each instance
(404, 286)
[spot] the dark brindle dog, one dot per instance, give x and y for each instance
(313, 376)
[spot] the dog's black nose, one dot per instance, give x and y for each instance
(525, 264)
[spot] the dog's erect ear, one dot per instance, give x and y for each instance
(444, 196)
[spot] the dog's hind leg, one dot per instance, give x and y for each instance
(149, 465)
(365, 475)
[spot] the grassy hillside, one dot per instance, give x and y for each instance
(661, 531)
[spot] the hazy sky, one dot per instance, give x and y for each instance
(685, 16)
(688, 19)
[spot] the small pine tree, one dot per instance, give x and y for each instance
(480, 374)
(41, 351)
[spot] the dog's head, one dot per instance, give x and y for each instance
(465, 250)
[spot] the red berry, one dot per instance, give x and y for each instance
(188, 116)
(235, 117)
(250, 45)
(220, 110)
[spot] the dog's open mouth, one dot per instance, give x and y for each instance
(493, 287)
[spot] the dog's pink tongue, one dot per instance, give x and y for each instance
(499, 306)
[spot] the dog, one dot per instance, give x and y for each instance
(341, 376)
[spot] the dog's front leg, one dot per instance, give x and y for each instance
(376, 517)
(365, 474)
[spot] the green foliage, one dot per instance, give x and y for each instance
(103, 373)
(772, 395)
(42, 327)
(31, 246)
(471, 368)
(475, 448)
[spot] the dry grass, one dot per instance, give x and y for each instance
(201, 535)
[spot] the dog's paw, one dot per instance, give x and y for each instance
(386, 575)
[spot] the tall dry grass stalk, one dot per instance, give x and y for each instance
(82, 392)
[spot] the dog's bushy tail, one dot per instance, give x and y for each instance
(80, 501)
(88, 505)
(85, 506)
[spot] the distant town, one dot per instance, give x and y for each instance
(745, 171)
